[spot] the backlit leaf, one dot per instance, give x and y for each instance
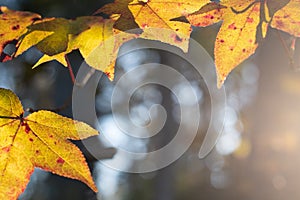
(38, 140)
(150, 14)
(126, 20)
(13, 25)
(288, 18)
(237, 37)
(93, 32)
(93, 36)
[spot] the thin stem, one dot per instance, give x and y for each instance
(245, 9)
(70, 69)
(6, 117)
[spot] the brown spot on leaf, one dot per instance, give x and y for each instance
(176, 38)
(256, 9)
(279, 23)
(232, 26)
(37, 151)
(16, 27)
(108, 74)
(250, 20)
(209, 16)
(144, 26)
(286, 16)
(27, 128)
(6, 149)
(244, 50)
(30, 139)
(222, 41)
(60, 160)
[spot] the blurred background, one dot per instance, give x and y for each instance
(257, 157)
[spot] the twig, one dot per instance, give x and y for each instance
(70, 69)
(6, 117)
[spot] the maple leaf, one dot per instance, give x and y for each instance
(58, 31)
(93, 36)
(149, 14)
(39, 140)
(120, 7)
(238, 36)
(13, 25)
(288, 18)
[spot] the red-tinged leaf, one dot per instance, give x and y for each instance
(13, 25)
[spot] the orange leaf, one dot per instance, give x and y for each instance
(39, 140)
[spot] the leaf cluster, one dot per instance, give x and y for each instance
(244, 26)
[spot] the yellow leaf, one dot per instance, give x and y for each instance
(39, 140)
(236, 40)
(148, 14)
(54, 34)
(13, 25)
(209, 14)
(97, 43)
(34, 38)
(120, 7)
(288, 18)
(238, 37)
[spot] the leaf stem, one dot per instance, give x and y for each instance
(7, 117)
(70, 69)
(244, 10)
